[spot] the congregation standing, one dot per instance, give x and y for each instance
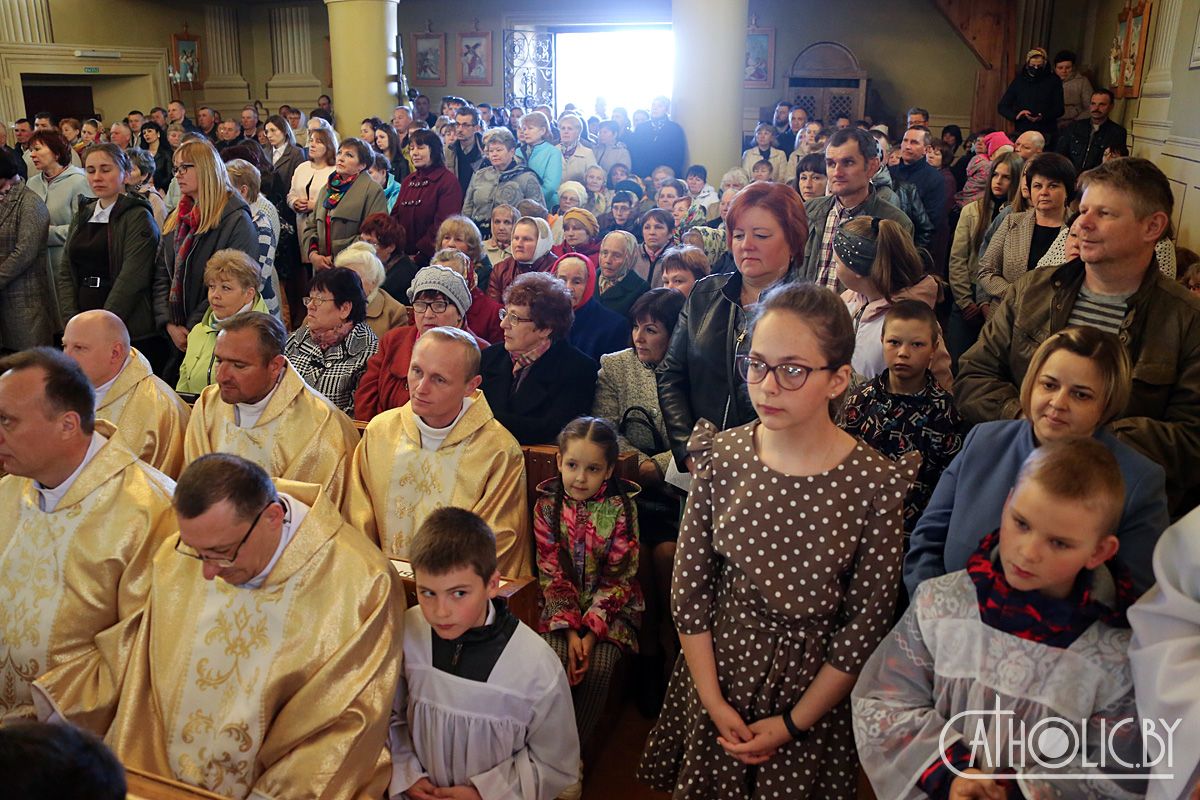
(835, 440)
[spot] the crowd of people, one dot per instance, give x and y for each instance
(912, 417)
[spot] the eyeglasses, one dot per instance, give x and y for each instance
(437, 307)
(789, 377)
(513, 318)
(314, 302)
(183, 167)
(224, 562)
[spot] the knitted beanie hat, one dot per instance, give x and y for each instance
(449, 283)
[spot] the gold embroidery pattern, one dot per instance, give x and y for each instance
(425, 484)
(31, 591)
(240, 633)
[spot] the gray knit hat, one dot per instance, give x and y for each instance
(445, 280)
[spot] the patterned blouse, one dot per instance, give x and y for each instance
(587, 568)
(335, 372)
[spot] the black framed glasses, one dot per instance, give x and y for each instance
(437, 307)
(790, 377)
(223, 562)
(183, 167)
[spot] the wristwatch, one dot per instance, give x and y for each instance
(792, 729)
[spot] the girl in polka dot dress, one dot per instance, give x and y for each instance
(785, 577)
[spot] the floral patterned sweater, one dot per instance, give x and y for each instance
(587, 562)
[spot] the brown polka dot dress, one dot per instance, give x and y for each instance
(787, 573)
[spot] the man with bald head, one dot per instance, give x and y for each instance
(150, 418)
(83, 517)
(1029, 144)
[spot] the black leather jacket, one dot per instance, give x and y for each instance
(697, 379)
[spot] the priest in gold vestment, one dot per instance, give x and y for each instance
(442, 448)
(149, 416)
(269, 652)
(82, 518)
(261, 409)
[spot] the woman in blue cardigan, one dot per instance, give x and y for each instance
(596, 330)
(539, 155)
(1078, 382)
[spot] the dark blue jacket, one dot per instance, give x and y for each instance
(597, 330)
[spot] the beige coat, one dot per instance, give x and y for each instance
(334, 231)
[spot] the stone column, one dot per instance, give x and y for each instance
(291, 58)
(225, 86)
(1157, 82)
(26, 21)
(364, 45)
(708, 102)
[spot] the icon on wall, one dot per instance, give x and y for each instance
(185, 58)
(760, 59)
(429, 59)
(475, 58)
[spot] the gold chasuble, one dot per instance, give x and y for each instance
(395, 483)
(300, 436)
(282, 691)
(150, 417)
(73, 581)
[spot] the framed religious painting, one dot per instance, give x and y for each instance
(429, 59)
(475, 58)
(1133, 30)
(186, 65)
(759, 71)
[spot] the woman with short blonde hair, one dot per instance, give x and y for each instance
(384, 312)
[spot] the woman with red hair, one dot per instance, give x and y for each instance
(389, 238)
(767, 230)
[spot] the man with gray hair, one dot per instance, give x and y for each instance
(1029, 144)
(443, 448)
(149, 416)
(261, 409)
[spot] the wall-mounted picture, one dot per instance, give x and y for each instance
(429, 59)
(1132, 30)
(185, 58)
(475, 58)
(760, 59)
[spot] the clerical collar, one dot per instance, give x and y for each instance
(294, 513)
(48, 499)
(432, 438)
(102, 389)
(246, 415)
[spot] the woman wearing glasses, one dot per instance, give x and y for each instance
(789, 551)
(330, 350)
(211, 216)
(440, 298)
(536, 382)
(108, 255)
(767, 230)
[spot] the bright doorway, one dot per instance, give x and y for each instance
(628, 67)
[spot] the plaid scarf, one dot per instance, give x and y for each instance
(186, 222)
(522, 361)
(338, 186)
(1034, 616)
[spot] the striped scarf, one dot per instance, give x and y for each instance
(522, 361)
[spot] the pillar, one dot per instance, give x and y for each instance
(293, 81)
(225, 86)
(1157, 82)
(25, 21)
(708, 102)
(364, 46)
(1152, 125)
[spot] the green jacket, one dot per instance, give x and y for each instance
(133, 238)
(196, 371)
(1161, 332)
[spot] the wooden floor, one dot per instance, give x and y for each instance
(611, 777)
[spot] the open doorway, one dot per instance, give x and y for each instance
(59, 100)
(625, 66)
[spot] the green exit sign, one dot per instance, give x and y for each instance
(91, 70)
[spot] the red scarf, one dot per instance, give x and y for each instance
(186, 221)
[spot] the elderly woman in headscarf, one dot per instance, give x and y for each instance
(581, 234)
(384, 312)
(440, 297)
(484, 315)
(571, 194)
(531, 245)
(618, 286)
(596, 330)
(715, 245)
